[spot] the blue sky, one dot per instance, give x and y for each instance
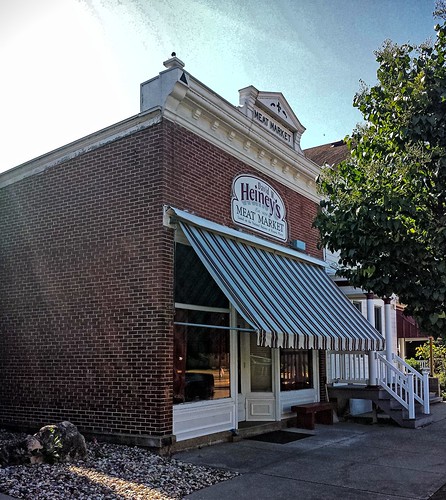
(71, 67)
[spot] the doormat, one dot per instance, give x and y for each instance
(279, 437)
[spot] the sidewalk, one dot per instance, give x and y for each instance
(344, 461)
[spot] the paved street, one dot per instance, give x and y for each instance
(343, 461)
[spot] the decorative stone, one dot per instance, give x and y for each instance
(108, 471)
(17, 452)
(61, 442)
(53, 443)
(34, 448)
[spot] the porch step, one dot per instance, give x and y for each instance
(434, 399)
(382, 400)
(372, 417)
(249, 429)
(400, 415)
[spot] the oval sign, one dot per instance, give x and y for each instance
(257, 205)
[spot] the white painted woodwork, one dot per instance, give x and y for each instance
(192, 420)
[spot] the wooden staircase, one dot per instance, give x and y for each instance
(382, 400)
(398, 390)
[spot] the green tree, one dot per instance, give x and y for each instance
(438, 353)
(438, 359)
(384, 208)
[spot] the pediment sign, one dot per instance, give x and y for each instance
(278, 107)
(277, 128)
(271, 111)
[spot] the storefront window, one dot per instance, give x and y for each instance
(201, 357)
(201, 351)
(296, 369)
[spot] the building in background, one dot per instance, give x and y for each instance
(409, 334)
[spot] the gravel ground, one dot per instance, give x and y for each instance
(108, 472)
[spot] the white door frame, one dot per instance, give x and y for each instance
(256, 406)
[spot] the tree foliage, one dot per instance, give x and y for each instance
(438, 355)
(384, 208)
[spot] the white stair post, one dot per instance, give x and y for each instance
(426, 402)
(372, 354)
(410, 390)
(388, 332)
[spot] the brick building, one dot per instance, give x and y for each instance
(160, 279)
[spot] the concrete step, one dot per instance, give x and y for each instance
(255, 428)
(417, 422)
(385, 402)
(401, 416)
(371, 417)
(433, 400)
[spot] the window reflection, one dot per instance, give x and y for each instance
(193, 283)
(261, 366)
(201, 357)
(296, 369)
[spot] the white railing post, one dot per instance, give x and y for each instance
(424, 364)
(400, 384)
(388, 331)
(426, 403)
(410, 394)
(420, 382)
(372, 354)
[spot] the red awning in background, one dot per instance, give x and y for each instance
(407, 327)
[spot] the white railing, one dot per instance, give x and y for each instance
(424, 364)
(348, 367)
(400, 380)
(396, 383)
(421, 381)
(403, 383)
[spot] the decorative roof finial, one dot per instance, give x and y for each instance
(174, 62)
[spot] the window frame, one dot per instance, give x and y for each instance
(311, 369)
(378, 313)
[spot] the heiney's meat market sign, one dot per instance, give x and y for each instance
(257, 205)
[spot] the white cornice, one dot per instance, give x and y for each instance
(249, 97)
(208, 115)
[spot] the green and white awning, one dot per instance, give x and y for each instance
(286, 297)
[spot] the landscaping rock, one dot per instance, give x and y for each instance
(18, 452)
(109, 471)
(53, 443)
(61, 442)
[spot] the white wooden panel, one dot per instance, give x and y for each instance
(203, 418)
(260, 407)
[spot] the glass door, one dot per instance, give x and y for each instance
(256, 400)
(260, 363)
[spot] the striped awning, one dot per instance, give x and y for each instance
(290, 303)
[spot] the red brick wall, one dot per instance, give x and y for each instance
(86, 294)
(190, 158)
(86, 275)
